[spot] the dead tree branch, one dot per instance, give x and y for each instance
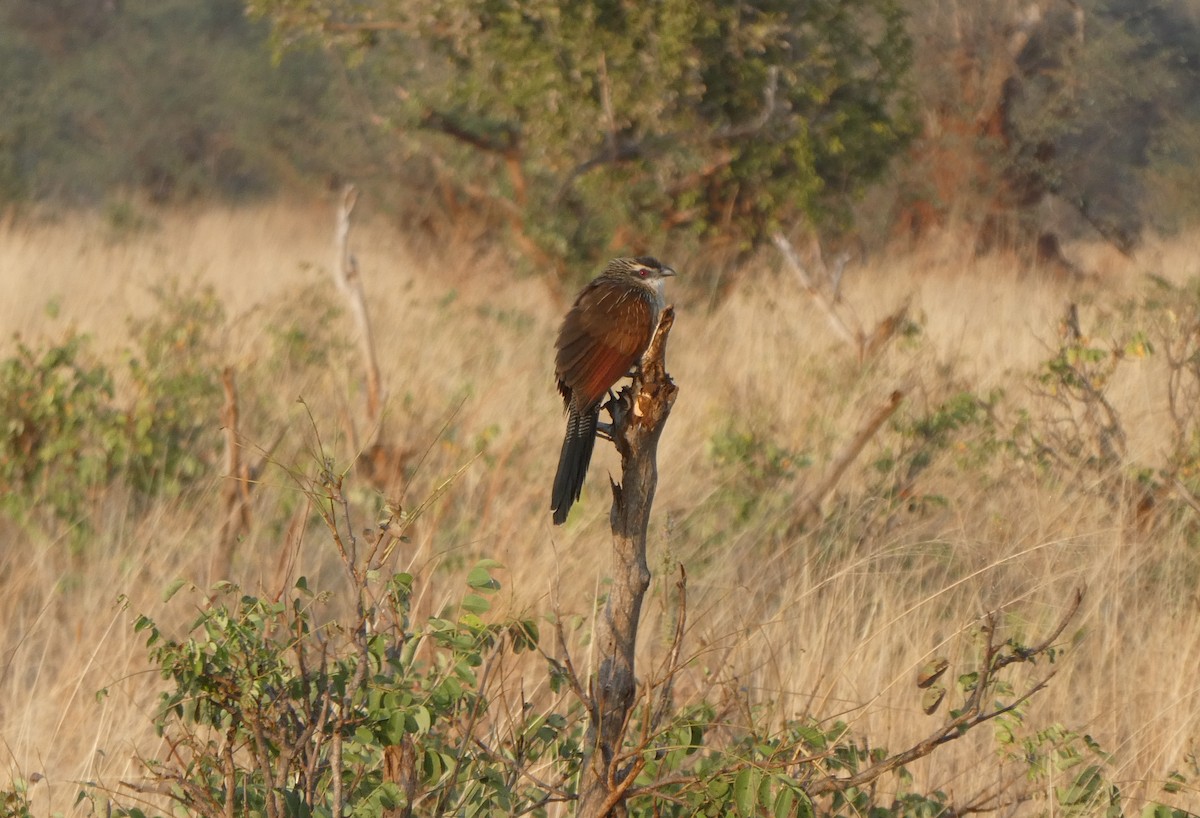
(665, 699)
(849, 336)
(864, 344)
(816, 500)
(235, 488)
(348, 280)
(639, 415)
(975, 711)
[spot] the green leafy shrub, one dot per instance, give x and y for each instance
(67, 433)
(281, 708)
(173, 420)
(958, 430)
(60, 428)
(755, 464)
(265, 692)
(14, 800)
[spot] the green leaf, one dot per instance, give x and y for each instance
(397, 727)
(481, 580)
(423, 719)
(718, 789)
(784, 802)
(805, 808)
(811, 736)
(475, 604)
(745, 791)
(173, 589)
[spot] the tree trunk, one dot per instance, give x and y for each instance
(638, 420)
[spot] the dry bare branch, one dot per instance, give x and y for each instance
(235, 488)
(816, 499)
(639, 415)
(665, 699)
(852, 337)
(349, 281)
(973, 713)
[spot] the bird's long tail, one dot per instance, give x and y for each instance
(573, 461)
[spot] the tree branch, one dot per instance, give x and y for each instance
(972, 714)
(639, 415)
(348, 279)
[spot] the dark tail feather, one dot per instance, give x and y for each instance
(573, 462)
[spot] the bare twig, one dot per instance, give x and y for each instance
(569, 665)
(665, 698)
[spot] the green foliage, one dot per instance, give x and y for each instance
(172, 422)
(613, 125)
(1083, 427)
(304, 337)
(306, 705)
(1072, 765)
(269, 691)
(68, 433)
(296, 697)
(14, 800)
(60, 428)
(959, 429)
(208, 114)
(753, 465)
(282, 709)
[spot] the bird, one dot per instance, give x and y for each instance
(603, 337)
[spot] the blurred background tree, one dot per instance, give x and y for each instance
(174, 99)
(587, 129)
(604, 127)
(1053, 117)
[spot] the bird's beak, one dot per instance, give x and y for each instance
(667, 271)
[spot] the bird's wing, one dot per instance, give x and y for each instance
(602, 337)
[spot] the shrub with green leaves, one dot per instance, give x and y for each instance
(285, 711)
(173, 420)
(67, 432)
(61, 428)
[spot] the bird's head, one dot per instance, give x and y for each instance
(642, 267)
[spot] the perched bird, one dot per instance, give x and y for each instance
(602, 338)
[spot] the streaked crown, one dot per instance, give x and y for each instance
(644, 267)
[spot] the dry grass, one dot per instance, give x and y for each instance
(825, 621)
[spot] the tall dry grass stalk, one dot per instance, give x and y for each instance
(828, 623)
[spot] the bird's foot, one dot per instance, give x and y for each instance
(617, 407)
